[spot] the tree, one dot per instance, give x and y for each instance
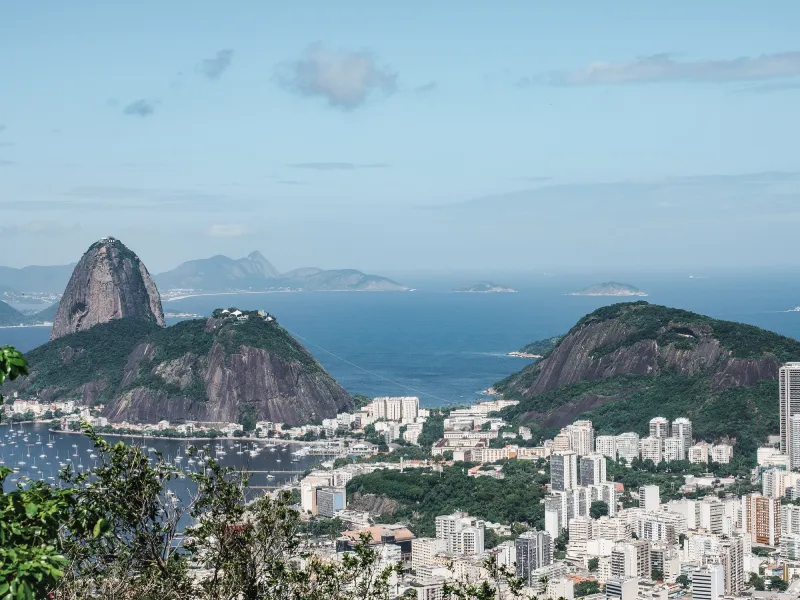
(12, 365)
(500, 584)
(561, 541)
(598, 509)
(657, 575)
(594, 564)
(683, 581)
(777, 584)
(586, 588)
(756, 582)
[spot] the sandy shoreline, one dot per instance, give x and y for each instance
(518, 354)
(24, 326)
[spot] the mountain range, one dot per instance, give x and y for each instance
(215, 274)
(256, 273)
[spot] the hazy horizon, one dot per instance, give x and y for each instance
(535, 137)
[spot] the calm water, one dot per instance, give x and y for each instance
(42, 461)
(447, 347)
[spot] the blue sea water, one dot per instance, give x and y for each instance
(447, 347)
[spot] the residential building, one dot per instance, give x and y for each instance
(606, 445)
(534, 550)
(620, 588)
(674, 449)
(649, 497)
(631, 559)
(790, 519)
(790, 546)
(581, 530)
(659, 427)
(761, 518)
(593, 469)
(605, 492)
(424, 549)
(721, 453)
(682, 428)
(581, 435)
(789, 394)
(330, 501)
(710, 514)
(562, 442)
(628, 446)
(708, 582)
(611, 528)
(551, 523)
(731, 553)
(698, 453)
(462, 534)
(651, 447)
(564, 471)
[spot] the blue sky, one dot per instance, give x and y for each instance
(387, 136)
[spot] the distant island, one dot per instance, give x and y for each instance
(485, 287)
(610, 288)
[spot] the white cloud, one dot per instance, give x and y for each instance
(344, 79)
(663, 67)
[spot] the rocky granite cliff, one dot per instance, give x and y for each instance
(108, 283)
(213, 370)
(626, 363)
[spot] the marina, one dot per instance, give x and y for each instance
(36, 453)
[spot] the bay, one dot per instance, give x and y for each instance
(447, 347)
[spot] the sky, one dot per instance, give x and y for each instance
(402, 136)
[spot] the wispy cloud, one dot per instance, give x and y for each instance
(228, 230)
(214, 67)
(290, 182)
(664, 68)
(6, 163)
(428, 87)
(2, 128)
(140, 108)
(344, 79)
(337, 166)
(769, 88)
(46, 228)
(535, 179)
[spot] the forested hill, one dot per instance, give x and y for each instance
(626, 363)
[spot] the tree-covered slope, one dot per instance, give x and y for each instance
(626, 363)
(209, 370)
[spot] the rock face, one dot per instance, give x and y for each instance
(639, 340)
(109, 282)
(215, 371)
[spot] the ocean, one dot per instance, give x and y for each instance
(448, 347)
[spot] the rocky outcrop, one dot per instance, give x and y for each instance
(109, 282)
(643, 339)
(211, 370)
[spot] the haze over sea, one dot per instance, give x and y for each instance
(446, 347)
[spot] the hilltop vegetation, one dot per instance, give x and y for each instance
(623, 364)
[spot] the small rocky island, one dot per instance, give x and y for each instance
(610, 288)
(485, 287)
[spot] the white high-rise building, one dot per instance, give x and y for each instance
(789, 391)
(708, 583)
(628, 446)
(790, 519)
(581, 436)
(649, 497)
(606, 445)
(409, 406)
(534, 550)
(721, 453)
(651, 447)
(564, 471)
(659, 427)
(593, 469)
(462, 534)
(604, 492)
(424, 549)
(682, 428)
(794, 441)
(698, 453)
(674, 449)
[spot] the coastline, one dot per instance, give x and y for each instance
(610, 295)
(189, 439)
(26, 325)
(187, 296)
(519, 354)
